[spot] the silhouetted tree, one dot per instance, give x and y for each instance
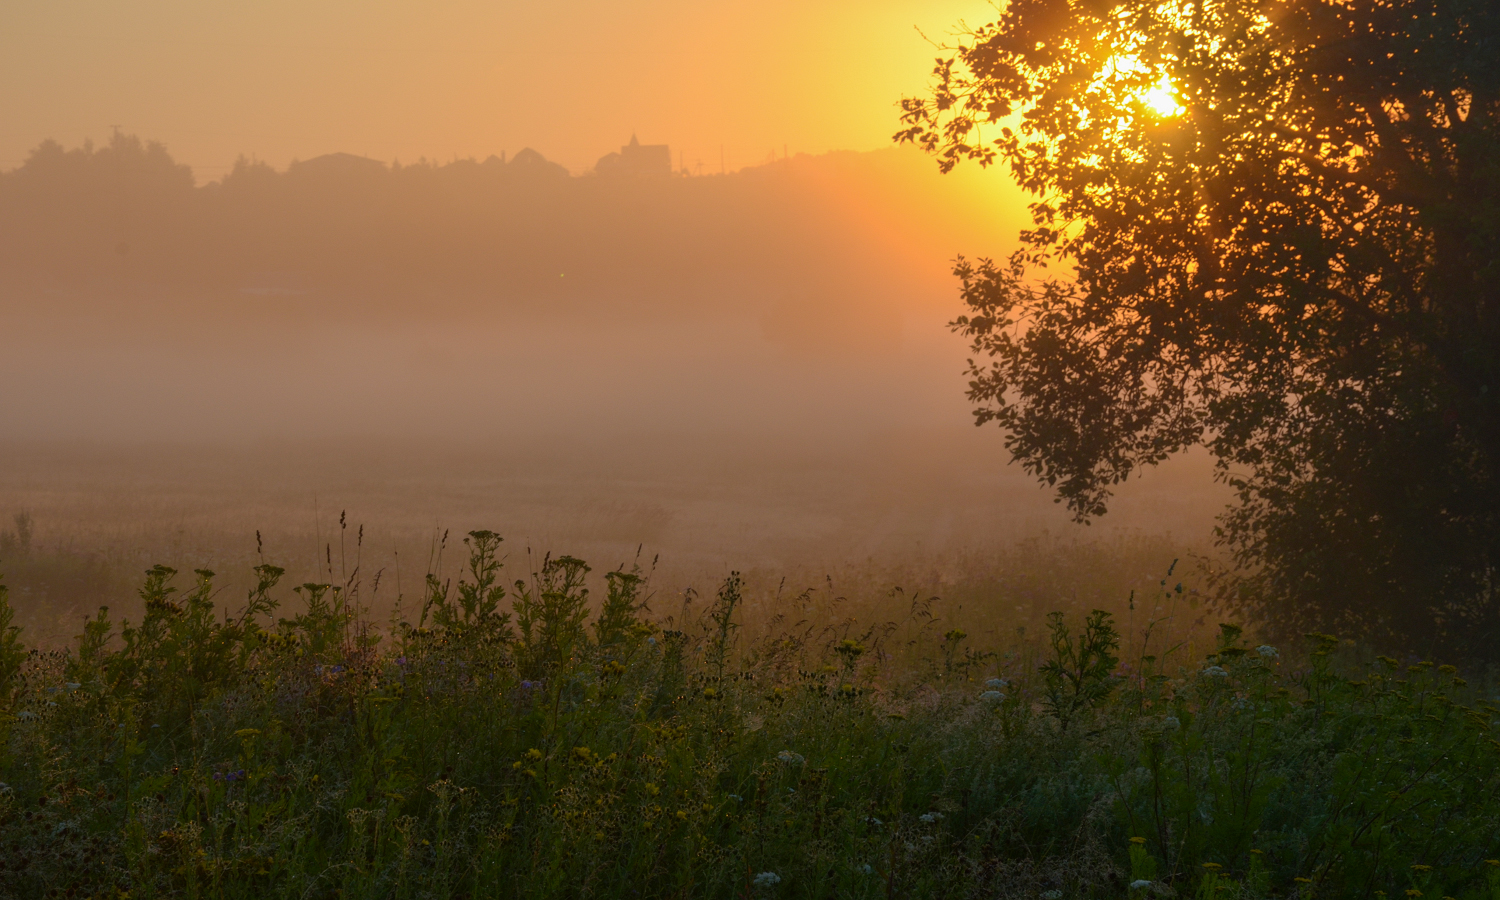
(1278, 229)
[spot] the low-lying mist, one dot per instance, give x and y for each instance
(749, 371)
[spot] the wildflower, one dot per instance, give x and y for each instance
(1419, 867)
(997, 684)
(1170, 723)
(710, 694)
(682, 815)
(534, 754)
(1051, 895)
(992, 697)
(866, 870)
(1214, 672)
(929, 818)
(1268, 652)
(1140, 884)
(1413, 893)
(874, 821)
(247, 733)
(767, 879)
(651, 641)
(1212, 867)
(1137, 840)
(791, 758)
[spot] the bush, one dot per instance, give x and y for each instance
(475, 755)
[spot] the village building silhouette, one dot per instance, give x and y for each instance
(637, 159)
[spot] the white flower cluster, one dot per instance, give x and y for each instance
(791, 758)
(767, 879)
(1268, 652)
(992, 697)
(1215, 672)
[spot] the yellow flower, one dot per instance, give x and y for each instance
(247, 733)
(682, 814)
(1212, 867)
(534, 754)
(651, 789)
(1421, 868)
(1137, 840)
(1413, 893)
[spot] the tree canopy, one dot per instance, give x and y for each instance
(1271, 228)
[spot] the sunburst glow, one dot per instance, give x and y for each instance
(1162, 99)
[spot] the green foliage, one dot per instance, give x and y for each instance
(203, 755)
(12, 651)
(551, 613)
(1080, 674)
(620, 613)
(721, 614)
(1272, 234)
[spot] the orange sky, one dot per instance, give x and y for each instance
(391, 79)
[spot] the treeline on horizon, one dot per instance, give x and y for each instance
(125, 216)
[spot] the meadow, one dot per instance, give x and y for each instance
(547, 733)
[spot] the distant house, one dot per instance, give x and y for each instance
(636, 158)
(337, 165)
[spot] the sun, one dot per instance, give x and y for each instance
(1162, 99)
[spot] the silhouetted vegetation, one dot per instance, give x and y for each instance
(493, 742)
(1277, 230)
(125, 218)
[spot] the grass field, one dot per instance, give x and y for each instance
(507, 736)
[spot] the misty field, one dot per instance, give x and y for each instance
(497, 737)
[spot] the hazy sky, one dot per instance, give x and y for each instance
(280, 80)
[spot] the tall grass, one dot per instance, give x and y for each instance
(515, 738)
